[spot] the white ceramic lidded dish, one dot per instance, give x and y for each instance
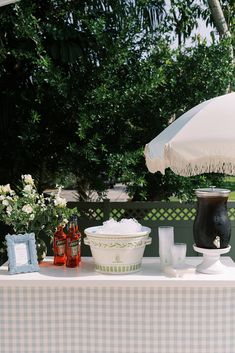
(117, 253)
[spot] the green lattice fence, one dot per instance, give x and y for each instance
(151, 214)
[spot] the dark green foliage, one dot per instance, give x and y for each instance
(85, 84)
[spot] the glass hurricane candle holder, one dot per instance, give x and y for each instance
(178, 254)
(166, 240)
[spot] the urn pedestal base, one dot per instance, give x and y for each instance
(211, 263)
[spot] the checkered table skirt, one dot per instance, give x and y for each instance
(117, 320)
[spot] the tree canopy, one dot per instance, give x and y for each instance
(86, 84)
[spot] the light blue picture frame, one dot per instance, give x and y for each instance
(32, 263)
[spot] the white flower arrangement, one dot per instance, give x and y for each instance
(28, 211)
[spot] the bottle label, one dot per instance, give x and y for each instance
(74, 247)
(60, 244)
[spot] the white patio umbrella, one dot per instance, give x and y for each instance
(6, 2)
(201, 141)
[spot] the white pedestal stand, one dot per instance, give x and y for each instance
(211, 263)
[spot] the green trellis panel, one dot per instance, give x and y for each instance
(150, 214)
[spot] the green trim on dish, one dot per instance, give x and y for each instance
(118, 268)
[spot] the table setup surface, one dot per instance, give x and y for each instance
(78, 310)
(150, 275)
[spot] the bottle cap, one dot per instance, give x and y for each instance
(73, 218)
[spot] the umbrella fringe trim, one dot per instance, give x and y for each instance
(154, 165)
(191, 169)
(206, 164)
(183, 168)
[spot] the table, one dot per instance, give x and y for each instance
(61, 310)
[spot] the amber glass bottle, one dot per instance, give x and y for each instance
(73, 244)
(59, 245)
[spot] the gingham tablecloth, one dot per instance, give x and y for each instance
(66, 311)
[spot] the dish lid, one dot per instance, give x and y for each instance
(212, 192)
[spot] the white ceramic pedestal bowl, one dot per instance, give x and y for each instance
(117, 253)
(211, 263)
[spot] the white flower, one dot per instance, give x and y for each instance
(9, 210)
(5, 189)
(27, 178)
(2, 197)
(28, 189)
(5, 202)
(27, 209)
(60, 201)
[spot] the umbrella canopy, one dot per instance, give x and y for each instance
(6, 2)
(201, 141)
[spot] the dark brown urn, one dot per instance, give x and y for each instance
(212, 228)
